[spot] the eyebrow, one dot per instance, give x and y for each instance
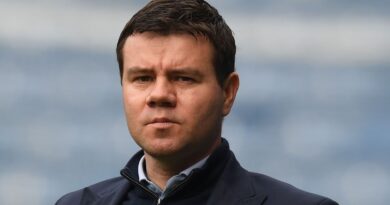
(186, 71)
(173, 71)
(133, 70)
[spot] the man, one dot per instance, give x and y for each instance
(176, 61)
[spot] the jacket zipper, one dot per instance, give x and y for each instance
(174, 190)
(158, 199)
(177, 188)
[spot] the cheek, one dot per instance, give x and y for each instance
(132, 105)
(127, 106)
(132, 98)
(204, 106)
(132, 115)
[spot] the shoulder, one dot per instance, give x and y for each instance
(279, 192)
(255, 188)
(92, 192)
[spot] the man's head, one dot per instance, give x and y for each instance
(178, 79)
(194, 17)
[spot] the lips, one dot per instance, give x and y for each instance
(162, 120)
(161, 123)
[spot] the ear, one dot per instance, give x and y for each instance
(230, 88)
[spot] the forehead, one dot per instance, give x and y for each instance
(174, 50)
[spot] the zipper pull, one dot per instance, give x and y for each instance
(158, 201)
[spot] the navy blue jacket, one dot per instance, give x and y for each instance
(222, 181)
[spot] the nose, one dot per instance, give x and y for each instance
(162, 94)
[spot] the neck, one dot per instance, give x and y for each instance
(160, 170)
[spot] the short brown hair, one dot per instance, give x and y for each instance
(195, 17)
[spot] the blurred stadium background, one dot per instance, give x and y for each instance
(313, 108)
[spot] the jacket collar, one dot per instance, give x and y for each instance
(233, 183)
(110, 197)
(236, 187)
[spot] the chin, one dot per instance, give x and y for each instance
(162, 152)
(163, 147)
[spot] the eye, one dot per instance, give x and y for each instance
(184, 79)
(143, 79)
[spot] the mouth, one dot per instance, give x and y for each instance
(161, 123)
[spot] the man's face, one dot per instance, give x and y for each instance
(173, 103)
